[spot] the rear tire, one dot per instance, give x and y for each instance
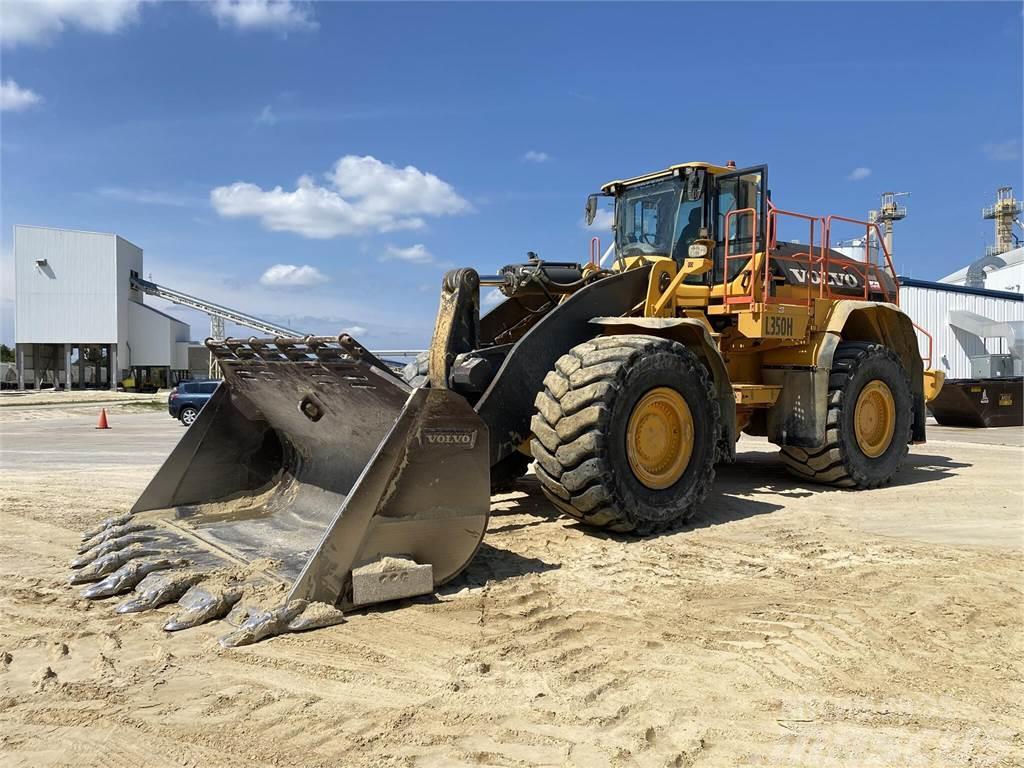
(586, 413)
(845, 459)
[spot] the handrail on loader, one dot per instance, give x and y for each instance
(808, 258)
(750, 296)
(869, 268)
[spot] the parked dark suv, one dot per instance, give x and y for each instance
(188, 398)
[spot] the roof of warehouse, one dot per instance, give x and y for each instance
(1011, 257)
(912, 282)
(76, 231)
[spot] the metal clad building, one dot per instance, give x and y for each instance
(929, 305)
(156, 339)
(73, 297)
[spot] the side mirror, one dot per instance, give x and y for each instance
(591, 209)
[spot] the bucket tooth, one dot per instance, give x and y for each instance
(127, 576)
(113, 532)
(263, 624)
(159, 588)
(203, 603)
(316, 616)
(113, 545)
(103, 525)
(100, 567)
(240, 613)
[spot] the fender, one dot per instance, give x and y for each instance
(507, 404)
(694, 335)
(798, 417)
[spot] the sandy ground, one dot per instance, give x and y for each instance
(49, 404)
(788, 626)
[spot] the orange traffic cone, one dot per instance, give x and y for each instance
(102, 423)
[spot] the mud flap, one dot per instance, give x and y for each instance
(311, 460)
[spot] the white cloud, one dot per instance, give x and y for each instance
(362, 195)
(146, 196)
(415, 254)
(1003, 150)
(354, 330)
(291, 276)
(859, 173)
(604, 219)
(14, 98)
(264, 14)
(492, 298)
(533, 156)
(35, 21)
(266, 116)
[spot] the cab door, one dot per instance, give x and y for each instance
(745, 232)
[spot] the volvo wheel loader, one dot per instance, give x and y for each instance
(317, 478)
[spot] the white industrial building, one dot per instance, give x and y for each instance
(953, 315)
(974, 315)
(79, 321)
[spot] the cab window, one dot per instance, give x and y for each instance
(688, 224)
(645, 219)
(735, 193)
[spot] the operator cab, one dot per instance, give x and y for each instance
(696, 205)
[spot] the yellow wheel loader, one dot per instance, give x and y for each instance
(317, 478)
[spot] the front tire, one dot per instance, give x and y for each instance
(868, 428)
(625, 433)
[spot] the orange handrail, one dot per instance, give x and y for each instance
(931, 343)
(595, 251)
(868, 266)
(809, 259)
(816, 259)
(747, 298)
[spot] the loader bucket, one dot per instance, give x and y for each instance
(315, 471)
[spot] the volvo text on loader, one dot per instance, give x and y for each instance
(317, 477)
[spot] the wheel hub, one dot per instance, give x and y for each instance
(659, 438)
(874, 418)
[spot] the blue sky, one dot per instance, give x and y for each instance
(173, 124)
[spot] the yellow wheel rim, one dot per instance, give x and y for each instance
(874, 418)
(659, 438)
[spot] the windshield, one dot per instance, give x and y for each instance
(645, 219)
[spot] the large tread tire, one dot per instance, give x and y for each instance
(839, 460)
(508, 470)
(580, 432)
